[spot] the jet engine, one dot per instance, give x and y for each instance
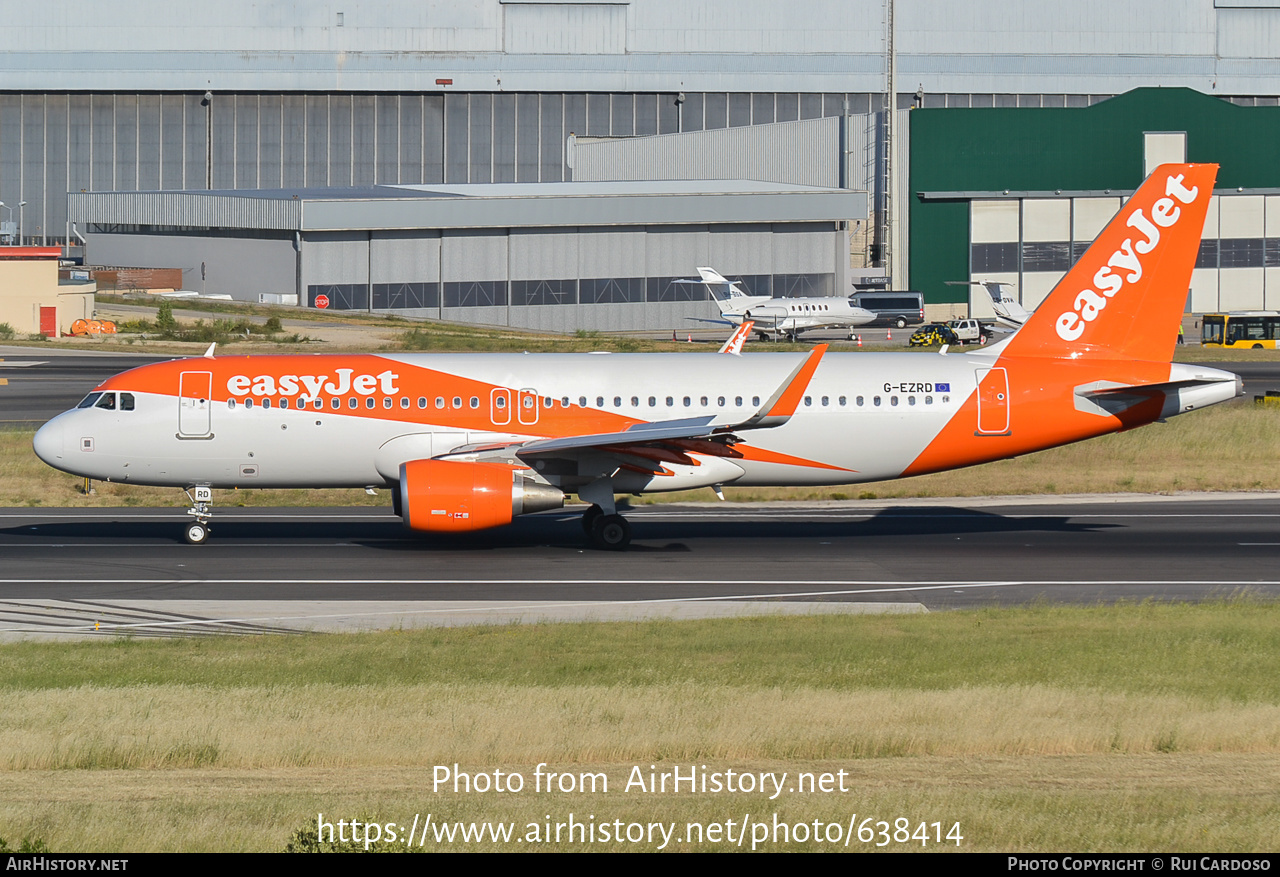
(445, 496)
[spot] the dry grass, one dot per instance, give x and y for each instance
(163, 727)
(1070, 804)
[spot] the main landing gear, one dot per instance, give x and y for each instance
(197, 532)
(610, 532)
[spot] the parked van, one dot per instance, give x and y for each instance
(899, 309)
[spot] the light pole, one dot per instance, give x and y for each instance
(10, 209)
(21, 204)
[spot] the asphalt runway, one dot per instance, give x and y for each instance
(127, 571)
(36, 385)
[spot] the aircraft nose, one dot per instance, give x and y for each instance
(48, 442)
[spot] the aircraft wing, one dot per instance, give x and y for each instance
(712, 434)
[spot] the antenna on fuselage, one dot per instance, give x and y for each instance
(208, 354)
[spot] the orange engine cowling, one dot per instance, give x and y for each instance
(446, 496)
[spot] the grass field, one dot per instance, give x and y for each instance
(1131, 727)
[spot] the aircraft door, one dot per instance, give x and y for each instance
(528, 414)
(194, 404)
(500, 406)
(993, 401)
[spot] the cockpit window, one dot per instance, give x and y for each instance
(87, 401)
(126, 401)
(108, 401)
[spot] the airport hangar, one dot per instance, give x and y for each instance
(259, 96)
(551, 256)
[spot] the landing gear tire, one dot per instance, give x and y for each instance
(196, 533)
(589, 518)
(611, 532)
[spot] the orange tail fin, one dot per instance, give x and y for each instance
(1125, 297)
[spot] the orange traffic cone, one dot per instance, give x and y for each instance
(859, 340)
(690, 337)
(889, 335)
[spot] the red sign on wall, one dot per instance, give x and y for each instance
(322, 301)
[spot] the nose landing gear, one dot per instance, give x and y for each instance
(197, 532)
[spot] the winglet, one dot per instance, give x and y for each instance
(737, 339)
(783, 403)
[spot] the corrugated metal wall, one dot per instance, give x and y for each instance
(52, 144)
(804, 153)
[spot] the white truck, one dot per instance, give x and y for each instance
(970, 331)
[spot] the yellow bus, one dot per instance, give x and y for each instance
(1249, 329)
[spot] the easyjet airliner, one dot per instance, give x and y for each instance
(467, 442)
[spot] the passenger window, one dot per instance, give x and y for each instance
(843, 401)
(860, 401)
(911, 400)
(284, 403)
(475, 401)
(231, 403)
(928, 400)
(687, 401)
(439, 401)
(704, 401)
(248, 403)
(755, 400)
(893, 400)
(386, 402)
(599, 401)
(617, 401)
(825, 401)
(353, 402)
(457, 401)
(319, 403)
(369, 402)
(720, 401)
(670, 401)
(335, 403)
(653, 401)
(422, 401)
(266, 403)
(565, 401)
(737, 400)
(877, 401)
(500, 402)
(404, 401)
(635, 401)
